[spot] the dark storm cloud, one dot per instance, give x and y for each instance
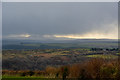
(58, 18)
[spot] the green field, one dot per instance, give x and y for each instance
(10, 76)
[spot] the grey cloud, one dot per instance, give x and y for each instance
(58, 18)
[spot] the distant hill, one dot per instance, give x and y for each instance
(48, 44)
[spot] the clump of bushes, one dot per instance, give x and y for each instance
(94, 68)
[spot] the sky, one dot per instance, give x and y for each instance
(60, 0)
(60, 20)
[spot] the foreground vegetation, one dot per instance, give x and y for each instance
(69, 63)
(94, 68)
